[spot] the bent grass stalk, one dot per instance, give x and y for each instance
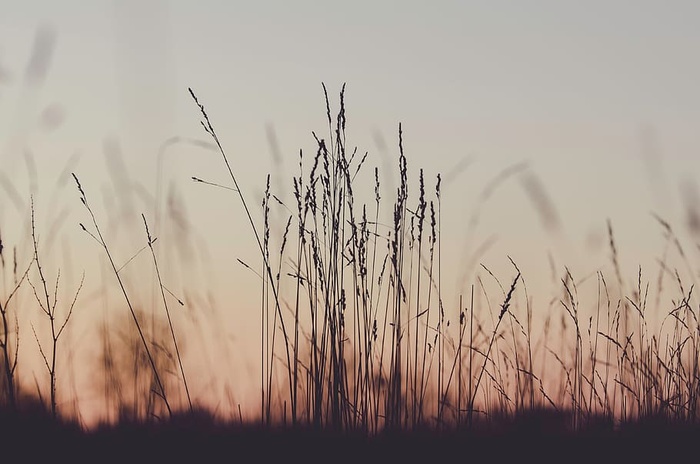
(98, 237)
(167, 312)
(504, 309)
(206, 124)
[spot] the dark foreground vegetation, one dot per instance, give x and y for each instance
(200, 438)
(362, 357)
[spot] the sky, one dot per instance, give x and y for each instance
(596, 103)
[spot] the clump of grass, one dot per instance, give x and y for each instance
(367, 337)
(378, 333)
(357, 337)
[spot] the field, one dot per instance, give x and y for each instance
(360, 356)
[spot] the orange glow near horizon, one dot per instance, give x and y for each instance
(556, 161)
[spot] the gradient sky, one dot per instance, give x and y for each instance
(599, 98)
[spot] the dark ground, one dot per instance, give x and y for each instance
(34, 439)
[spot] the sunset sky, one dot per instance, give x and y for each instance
(599, 100)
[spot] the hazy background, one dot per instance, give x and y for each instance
(599, 99)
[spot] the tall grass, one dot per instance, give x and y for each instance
(356, 331)
(366, 336)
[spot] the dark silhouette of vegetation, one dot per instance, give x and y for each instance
(362, 356)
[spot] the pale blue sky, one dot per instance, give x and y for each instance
(569, 86)
(600, 97)
(583, 91)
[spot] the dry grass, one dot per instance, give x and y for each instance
(358, 346)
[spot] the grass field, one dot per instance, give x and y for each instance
(360, 356)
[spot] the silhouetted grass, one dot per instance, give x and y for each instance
(361, 356)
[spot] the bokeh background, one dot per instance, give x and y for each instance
(546, 119)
